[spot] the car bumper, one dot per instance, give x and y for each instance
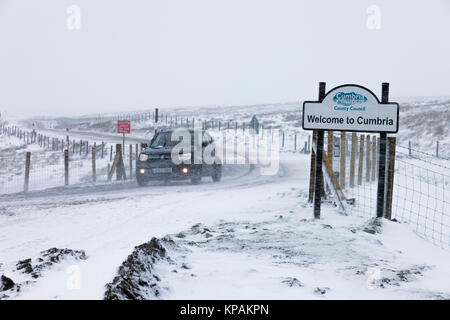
(164, 170)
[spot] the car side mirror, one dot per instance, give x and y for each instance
(144, 145)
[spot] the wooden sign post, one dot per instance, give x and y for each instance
(351, 108)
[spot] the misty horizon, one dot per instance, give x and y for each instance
(138, 55)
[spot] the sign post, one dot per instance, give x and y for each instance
(351, 108)
(319, 158)
(124, 127)
(382, 159)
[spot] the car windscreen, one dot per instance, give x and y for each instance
(163, 139)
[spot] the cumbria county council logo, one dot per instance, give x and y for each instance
(348, 99)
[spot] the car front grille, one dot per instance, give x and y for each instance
(159, 157)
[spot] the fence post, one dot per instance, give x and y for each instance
(110, 153)
(374, 156)
(66, 167)
(390, 177)
(27, 171)
(352, 160)
(368, 158)
(118, 165)
(377, 155)
(295, 142)
(312, 172)
(94, 171)
(282, 143)
(309, 143)
(437, 149)
(342, 159)
(103, 147)
(330, 145)
(409, 148)
(361, 159)
(131, 162)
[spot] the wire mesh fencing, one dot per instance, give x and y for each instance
(53, 169)
(351, 171)
(421, 197)
(420, 187)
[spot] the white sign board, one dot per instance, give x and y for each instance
(351, 108)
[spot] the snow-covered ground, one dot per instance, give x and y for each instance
(251, 236)
(257, 239)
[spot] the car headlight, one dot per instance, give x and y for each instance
(143, 157)
(184, 157)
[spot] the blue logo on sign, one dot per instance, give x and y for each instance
(348, 99)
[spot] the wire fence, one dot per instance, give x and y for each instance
(356, 171)
(47, 167)
(47, 162)
(421, 188)
(421, 193)
(422, 198)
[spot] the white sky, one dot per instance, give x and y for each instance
(136, 54)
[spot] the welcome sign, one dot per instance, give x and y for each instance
(351, 108)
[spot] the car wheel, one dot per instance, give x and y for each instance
(217, 176)
(141, 181)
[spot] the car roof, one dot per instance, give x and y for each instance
(174, 129)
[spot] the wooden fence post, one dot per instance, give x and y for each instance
(118, 165)
(368, 158)
(312, 174)
(377, 155)
(94, 171)
(374, 156)
(66, 167)
(390, 177)
(330, 146)
(361, 159)
(342, 164)
(353, 160)
(27, 171)
(131, 162)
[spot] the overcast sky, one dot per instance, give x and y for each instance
(136, 54)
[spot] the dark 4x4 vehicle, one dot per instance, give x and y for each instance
(156, 161)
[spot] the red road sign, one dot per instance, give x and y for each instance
(123, 126)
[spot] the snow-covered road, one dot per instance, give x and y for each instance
(107, 225)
